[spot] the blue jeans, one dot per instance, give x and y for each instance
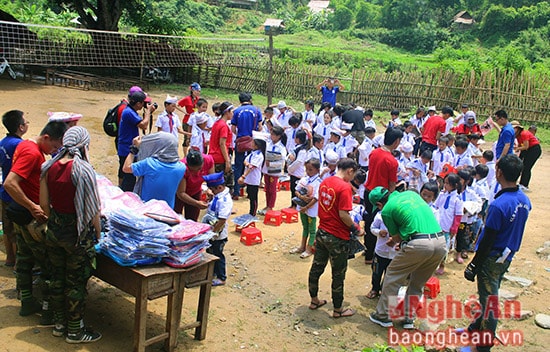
(216, 249)
(489, 278)
(238, 169)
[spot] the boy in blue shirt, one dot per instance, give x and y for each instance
(17, 126)
(498, 242)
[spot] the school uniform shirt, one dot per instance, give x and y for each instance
(481, 188)
(290, 138)
(337, 148)
(370, 123)
(255, 160)
(448, 205)
(364, 152)
(462, 160)
(310, 118)
(220, 207)
(473, 151)
(407, 137)
(418, 122)
(281, 118)
(275, 157)
(313, 181)
(491, 176)
(321, 117)
(326, 172)
(378, 140)
(313, 152)
(468, 195)
(440, 158)
(168, 122)
(198, 138)
(402, 172)
(297, 167)
(323, 130)
(417, 182)
(381, 248)
(348, 143)
(449, 123)
(305, 126)
(337, 121)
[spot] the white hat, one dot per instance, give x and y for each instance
(406, 147)
(260, 135)
(331, 157)
(171, 99)
(63, 116)
(346, 126)
(336, 131)
(432, 108)
(201, 118)
(281, 104)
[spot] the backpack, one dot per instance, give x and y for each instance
(111, 121)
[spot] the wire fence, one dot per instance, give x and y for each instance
(249, 65)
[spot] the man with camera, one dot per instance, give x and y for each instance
(498, 242)
(130, 124)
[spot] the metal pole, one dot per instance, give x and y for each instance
(270, 69)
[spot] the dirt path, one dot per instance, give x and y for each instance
(264, 304)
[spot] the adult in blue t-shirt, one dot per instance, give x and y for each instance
(17, 126)
(505, 143)
(128, 129)
(246, 118)
(159, 170)
(498, 242)
(329, 89)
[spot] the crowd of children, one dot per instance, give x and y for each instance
(457, 178)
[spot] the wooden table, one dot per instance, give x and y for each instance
(155, 281)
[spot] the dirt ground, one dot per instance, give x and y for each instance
(264, 305)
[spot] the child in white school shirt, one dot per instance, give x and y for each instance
(324, 127)
(449, 211)
(307, 192)
(441, 156)
(462, 158)
(252, 175)
(316, 150)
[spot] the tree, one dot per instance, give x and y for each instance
(342, 18)
(99, 14)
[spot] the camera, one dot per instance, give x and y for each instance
(154, 104)
(303, 191)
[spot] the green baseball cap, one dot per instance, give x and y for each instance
(377, 194)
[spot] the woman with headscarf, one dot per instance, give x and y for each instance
(159, 171)
(69, 197)
(470, 125)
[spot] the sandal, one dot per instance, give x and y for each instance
(314, 305)
(373, 294)
(295, 250)
(348, 312)
(305, 254)
(464, 255)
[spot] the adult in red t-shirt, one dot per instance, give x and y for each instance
(433, 128)
(198, 165)
(23, 185)
(529, 152)
(382, 172)
(333, 235)
(187, 105)
(220, 143)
